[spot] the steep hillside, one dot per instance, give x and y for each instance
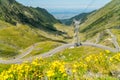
(106, 17)
(14, 12)
(13, 39)
(21, 27)
(82, 16)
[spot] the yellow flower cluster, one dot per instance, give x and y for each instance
(56, 67)
(116, 57)
(50, 73)
(97, 58)
(103, 61)
(79, 66)
(40, 69)
(89, 58)
(107, 51)
(23, 71)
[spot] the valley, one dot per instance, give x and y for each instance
(34, 45)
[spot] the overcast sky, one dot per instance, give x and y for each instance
(65, 4)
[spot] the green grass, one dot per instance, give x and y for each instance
(74, 54)
(13, 39)
(7, 51)
(43, 47)
(117, 34)
(19, 37)
(4, 67)
(69, 30)
(79, 54)
(4, 24)
(107, 78)
(75, 66)
(98, 21)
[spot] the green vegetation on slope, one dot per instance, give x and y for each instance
(13, 39)
(74, 54)
(86, 63)
(106, 17)
(67, 30)
(22, 26)
(4, 67)
(43, 47)
(117, 34)
(7, 50)
(14, 12)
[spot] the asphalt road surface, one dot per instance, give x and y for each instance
(54, 51)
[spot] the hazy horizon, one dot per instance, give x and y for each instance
(65, 9)
(67, 13)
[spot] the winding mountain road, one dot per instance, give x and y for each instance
(23, 54)
(114, 40)
(54, 51)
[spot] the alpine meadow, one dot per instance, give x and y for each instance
(36, 45)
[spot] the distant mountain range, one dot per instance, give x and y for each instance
(82, 16)
(67, 13)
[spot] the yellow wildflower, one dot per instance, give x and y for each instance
(75, 66)
(87, 59)
(62, 69)
(50, 73)
(74, 70)
(111, 59)
(107, 51)
(64, 75)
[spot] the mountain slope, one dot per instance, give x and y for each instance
(106, 17)
(82, 16)
(13, 12)
(13, 39)
(21, 27)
